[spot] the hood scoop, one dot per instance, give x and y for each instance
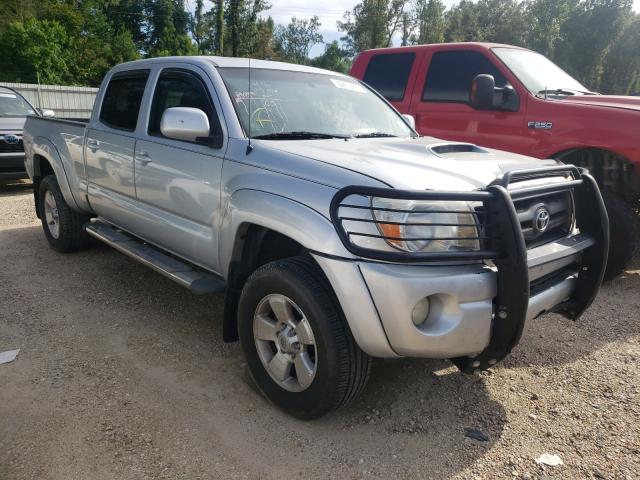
(449, 149)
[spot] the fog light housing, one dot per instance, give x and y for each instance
(420, 312)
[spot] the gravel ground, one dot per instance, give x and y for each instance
(123, 374)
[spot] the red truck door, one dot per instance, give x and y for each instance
(440, 101)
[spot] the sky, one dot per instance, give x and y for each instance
(329, 12)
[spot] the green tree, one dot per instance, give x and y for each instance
(293, 42)
(241, 30)
(371, 24)
(199, 25)
(35, 47)
(127, 15)
(544, 19)
(501, 21)
(430, 21)
(406, 29)
(621, 73)
(219, 39)
(588, 34)
(334, 58)
(168, 23)
(462, 23)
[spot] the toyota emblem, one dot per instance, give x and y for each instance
(541, 219)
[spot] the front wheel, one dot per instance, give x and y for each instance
(623, 232)
(299, 349)
(63, 227)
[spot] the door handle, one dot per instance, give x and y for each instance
(143, 158)
(93, 145)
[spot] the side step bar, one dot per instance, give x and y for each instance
(195, 279)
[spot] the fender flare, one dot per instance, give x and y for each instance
(44, 148)
(316, 233)
(298, 221)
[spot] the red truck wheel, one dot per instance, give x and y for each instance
(623, 228)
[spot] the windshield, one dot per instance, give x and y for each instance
(12, 105)
(309, 105)
(538, 73)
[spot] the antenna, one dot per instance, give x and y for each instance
(249, 146)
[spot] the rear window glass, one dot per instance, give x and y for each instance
(451, 74)
(388, 74)
(122, 100)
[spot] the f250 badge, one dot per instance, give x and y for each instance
(541, 125)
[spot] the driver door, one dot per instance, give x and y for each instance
(177, 181)
(440, 102)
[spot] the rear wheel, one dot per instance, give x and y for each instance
(63, 227)
(298, 346)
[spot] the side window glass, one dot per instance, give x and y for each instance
(179, 88)
(121, 103)
(451, 74)
(388, 74)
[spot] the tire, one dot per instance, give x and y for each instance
(340, 368)
(623, 231)
(63, 227)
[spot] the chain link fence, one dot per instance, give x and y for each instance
(65, 101)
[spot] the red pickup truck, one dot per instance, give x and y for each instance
(510, 98)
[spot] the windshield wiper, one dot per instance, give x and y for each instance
(374, 135)
(557, 91)
(302, 135)
(565, 91)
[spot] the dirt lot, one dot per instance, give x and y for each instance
(123, 374)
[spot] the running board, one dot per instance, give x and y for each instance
(185, 274)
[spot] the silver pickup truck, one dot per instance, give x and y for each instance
(335, 231)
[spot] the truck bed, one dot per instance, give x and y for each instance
(62, 139)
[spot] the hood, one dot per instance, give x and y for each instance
(413, 164)
(612, 101)
(12, 124)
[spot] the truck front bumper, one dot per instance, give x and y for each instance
(477, 311)
(461, 299)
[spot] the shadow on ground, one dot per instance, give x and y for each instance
(119, 352)
(11, 187)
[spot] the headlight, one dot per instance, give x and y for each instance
(423, 226)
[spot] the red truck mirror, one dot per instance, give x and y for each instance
(483, 95)
(482, 92)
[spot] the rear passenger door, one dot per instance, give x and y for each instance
(109, 147)
(177, 181)
(440, 101)
(390, 75)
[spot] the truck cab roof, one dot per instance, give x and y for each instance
(442, 46)
(225, 62)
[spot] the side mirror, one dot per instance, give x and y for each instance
(484, 95)
(184, 123)
(45, 112)
(410, 120)
(482, 89)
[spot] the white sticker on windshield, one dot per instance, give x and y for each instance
(353, 86)
(7, 95)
